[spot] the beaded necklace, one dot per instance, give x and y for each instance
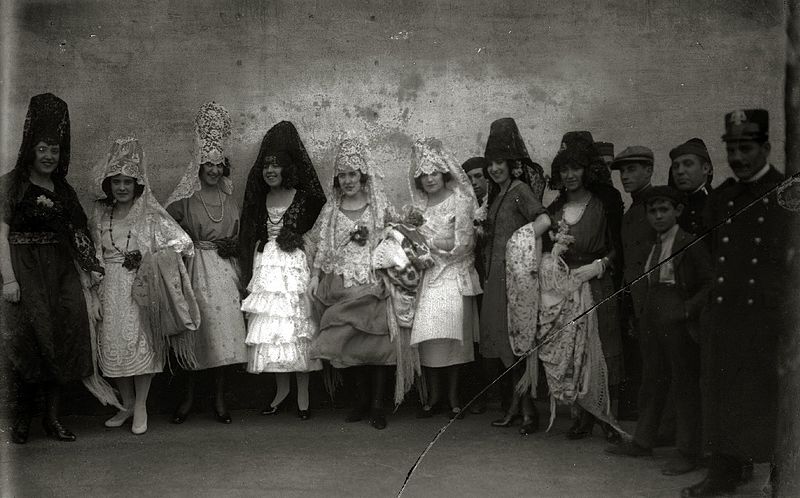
(570, 208)
(111, 234)
(208, 213)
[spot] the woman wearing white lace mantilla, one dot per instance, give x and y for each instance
(128, 224)
(351, 301)
(446, 317)
(203, 205)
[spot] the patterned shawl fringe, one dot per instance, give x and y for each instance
(95, 383)
(530, 379)
(408, 366)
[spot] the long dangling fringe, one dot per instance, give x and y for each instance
(95, 383)
(332, 378)
(530, 379)
(183, 345)
(407, 356)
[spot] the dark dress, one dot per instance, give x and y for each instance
(593, 240)
(507, 214)
(47, 333)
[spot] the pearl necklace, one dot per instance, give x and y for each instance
(208, 213)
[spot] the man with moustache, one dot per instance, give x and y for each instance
(751, 257)
(635, 166)
(691, 172)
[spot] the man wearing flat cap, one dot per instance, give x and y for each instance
(691, 173)
(746, 309)
(635, 166)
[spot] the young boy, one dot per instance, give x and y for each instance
(676, 293)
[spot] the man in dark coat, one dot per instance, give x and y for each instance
(691, 172)
(746, 309)
(635, 166)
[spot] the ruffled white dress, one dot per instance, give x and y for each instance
(279, 325)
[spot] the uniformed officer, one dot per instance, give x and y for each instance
(691, 172)
(746, 309)
(635, 166)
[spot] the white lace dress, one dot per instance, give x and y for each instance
(279, 325)
(124, 340)
(446, 318)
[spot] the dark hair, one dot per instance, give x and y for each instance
(675, 203)
(138, 190)
(446, 178)
(362, 179)
(288, 169)
(586, 158)
(226, 167)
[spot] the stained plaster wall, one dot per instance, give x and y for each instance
(653, 72)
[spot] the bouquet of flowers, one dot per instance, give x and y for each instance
(554, 273)
(360, 235)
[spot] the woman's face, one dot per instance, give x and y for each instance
(349, 182)
(432, 183)
(272, 172)
(210, 174)
(123, 188)
(499, 172)
(45, 159)
(571, 177)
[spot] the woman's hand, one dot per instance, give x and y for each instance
(587, 272)
(312, 286)
(96, 277)
(96, 308)
(11, 291)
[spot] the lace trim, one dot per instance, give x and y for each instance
(38, 238)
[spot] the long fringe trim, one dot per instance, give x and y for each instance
(95, 383)
(332, 378)
(408, 366)
(530, 379)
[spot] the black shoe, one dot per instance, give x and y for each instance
(530, 426)
(222, 418)
(584, 427)
(270, 410)
(356, 415)
(21, 430)
(428, 411)
(179, 416)
(709, 487)
(612, 435)
(54, 429)
(456, 412)
(377, 419)
(303, 414)
(506, 421)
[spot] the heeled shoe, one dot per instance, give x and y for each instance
(611, 434)
(584, 427)
(21, 430)
(506, 421)
(271, 410)
(303, 414)
(428, 411)
(140, 427)
(222, 418)
(456, 412)
(119, 418)
(356, 415)
(179, 416)
(530, 426)
(56, 430)
(377, 419)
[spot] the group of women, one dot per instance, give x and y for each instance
(291, 281)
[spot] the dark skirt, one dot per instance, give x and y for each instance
(608, 326)
(353, 328)
(46, 333)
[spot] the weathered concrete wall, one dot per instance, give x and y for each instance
(654, 72)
